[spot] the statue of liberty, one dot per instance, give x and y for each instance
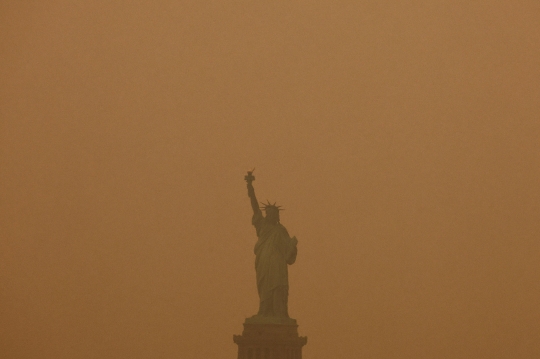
(274, 251)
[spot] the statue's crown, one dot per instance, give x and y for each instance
(269, 206)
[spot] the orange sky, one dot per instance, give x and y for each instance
(403, 139)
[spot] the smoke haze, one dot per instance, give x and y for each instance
(402, 139)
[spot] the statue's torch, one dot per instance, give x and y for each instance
(250, 177)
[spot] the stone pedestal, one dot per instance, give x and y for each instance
(270, 340)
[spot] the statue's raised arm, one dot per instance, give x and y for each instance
(251, 191)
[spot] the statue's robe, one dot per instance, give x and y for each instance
(274, 250)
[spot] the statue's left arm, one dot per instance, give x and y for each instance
(289, 246)
(293, 251)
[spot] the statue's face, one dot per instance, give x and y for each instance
(272, 215)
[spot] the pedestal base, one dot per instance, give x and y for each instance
(269, 341)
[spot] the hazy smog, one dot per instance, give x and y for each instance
(401, 138)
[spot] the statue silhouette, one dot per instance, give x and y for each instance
(274, 251)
